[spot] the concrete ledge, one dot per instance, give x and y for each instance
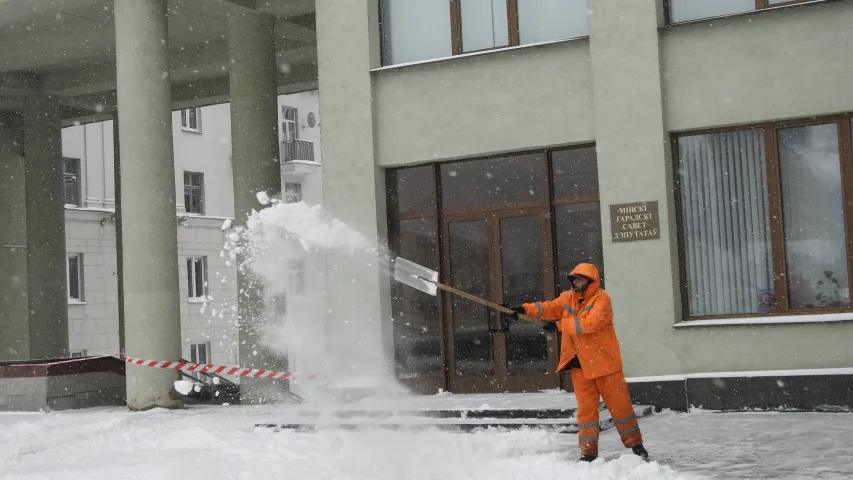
(783, 390)
(61, 384)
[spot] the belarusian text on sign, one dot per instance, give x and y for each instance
(631, 222)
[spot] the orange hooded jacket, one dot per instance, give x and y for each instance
(586, 322)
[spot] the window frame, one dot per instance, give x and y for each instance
(288, 195)
(285, 121)
(77, 184)
(759, 6)
(185, 120)
(774, 197)
(296, 270)
(81, 298)
(456, 31)
(207, 360)
(200, 187)
(192, 294)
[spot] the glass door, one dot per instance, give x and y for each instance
(502, 256)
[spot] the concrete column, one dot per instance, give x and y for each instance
(360, 333)
(254, 144)
(149, 227)
(634, 165)
(14, 304)
(47, 290)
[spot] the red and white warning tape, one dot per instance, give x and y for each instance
(219, 369)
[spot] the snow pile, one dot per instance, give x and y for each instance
(284, 247)
(184, 387)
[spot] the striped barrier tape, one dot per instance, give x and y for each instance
(219, 369)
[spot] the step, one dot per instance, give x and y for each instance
(464, 424)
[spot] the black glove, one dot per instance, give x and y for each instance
(516, 311)
(550, 326)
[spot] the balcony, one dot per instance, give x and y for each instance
(297, 151)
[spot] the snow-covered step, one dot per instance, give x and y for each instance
(560, 425)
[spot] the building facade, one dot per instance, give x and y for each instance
(698, 153)
(204, 189)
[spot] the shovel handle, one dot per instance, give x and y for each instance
(485, 302)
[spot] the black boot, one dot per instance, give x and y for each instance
(587, 458)
(641, 452)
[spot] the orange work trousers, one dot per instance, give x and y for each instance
(614, 390)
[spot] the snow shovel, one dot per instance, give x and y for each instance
(426, 280)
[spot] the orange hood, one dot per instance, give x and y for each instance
(588, 270)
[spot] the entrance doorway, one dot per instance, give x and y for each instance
(508, 229)
(504, 256)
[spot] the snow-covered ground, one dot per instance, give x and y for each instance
(222, 443)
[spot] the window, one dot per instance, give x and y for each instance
(416, 30)
(577, 212)
(516, 179)
(79, 354)
(763, 226)
(197, 277)
(296, 277)
(288, 125)
(484, 24)
(75, 277)
(191, 120)
(279, 305)
(292, 192)
(199, 353)
(194, 192)
(545, 20)
(687, 10)
(71, 181)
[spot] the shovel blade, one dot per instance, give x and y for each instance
(415, 276)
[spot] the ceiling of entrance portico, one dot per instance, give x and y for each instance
(67, 48)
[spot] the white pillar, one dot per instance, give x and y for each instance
(45, 198)
(360, 332)
(634, 166)
(149, 225)
(255, 160)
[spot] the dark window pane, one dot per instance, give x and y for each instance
(726, 223)
(815, 241)
(469, 272)
(190, 278)
(521, 264)
(412, 189)
(575, 172)
(71, 181)
(417, 325)
(578, 232)
(199, 277)
(74, 277)
(194, 353)
(495, 181)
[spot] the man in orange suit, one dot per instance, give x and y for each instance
(590, 350)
